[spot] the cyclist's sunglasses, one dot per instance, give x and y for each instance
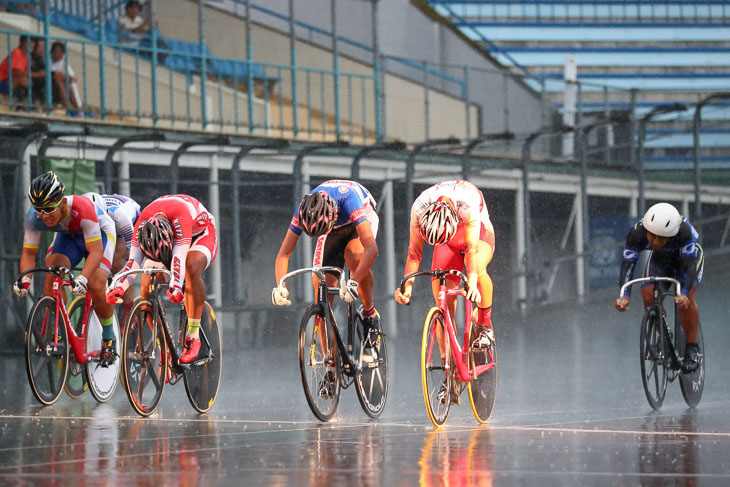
(47, 210)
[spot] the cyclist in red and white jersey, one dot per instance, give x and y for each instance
(453, 217)
(177, 231)
(82, 231)
(340, 214)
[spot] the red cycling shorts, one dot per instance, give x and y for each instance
(451, 255)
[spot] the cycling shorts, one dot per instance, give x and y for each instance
(206, 243)
(74, 247)
(329, 250)
(451, 254)
(659, 264)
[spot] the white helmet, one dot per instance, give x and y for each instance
(97, 199)
(438, 223)
(662, 219)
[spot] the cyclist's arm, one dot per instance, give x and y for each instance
(367, 239)
(31, 240)
(93, 260)
(281, 265)
(27, 258)
(415, 253)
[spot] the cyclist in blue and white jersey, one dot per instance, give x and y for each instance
(340, 214)
(124, 211)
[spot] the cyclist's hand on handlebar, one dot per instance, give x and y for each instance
(682, 301)
(81, 286)
(622, 304)
(405, 296)
(114, 295)
(472, 293)
(279, 296)
(349, 293)
(176, 295)
(20, 288)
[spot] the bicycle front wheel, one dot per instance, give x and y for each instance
(482, 387)
(693, 384)
(204, 375)
(371, 382)
(654, 358)
(436, 365)
(102, 380)
(46, 352)
(144, 359)
(319, 363)
(76, 383)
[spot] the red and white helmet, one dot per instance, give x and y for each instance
(662, 219)
(438, 223)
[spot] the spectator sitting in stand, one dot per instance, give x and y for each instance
(135, 31)
(60, 68)
(38, 71)
(19, 75)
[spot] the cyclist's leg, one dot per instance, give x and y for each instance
(62, 252)
(446, 257)
(329, 250)
(202, 252)
(485, 251)
(690, 317)
(353, 254)
(97, 289)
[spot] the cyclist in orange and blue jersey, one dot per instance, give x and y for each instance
(340, 214)
(675, 252)
(452, 216)
(82, 231)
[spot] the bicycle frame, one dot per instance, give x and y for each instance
(159, 310)
(78, 342)
(657, 306)
(460, 354)
(323, 291)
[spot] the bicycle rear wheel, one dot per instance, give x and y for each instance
(144, 359)
(102, 380)
(76, 383)
(203, 379)
(435, 370)
(654, 358)
(693, 384)
(46, 364)
(482, 388)
(319, 363)
(371, 382)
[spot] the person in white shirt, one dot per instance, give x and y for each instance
(60, 69)
(132, 27)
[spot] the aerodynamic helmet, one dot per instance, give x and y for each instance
(438, 223)
(97, 199)
(662, 219)
(156, 239)
(317, 213)
(46, 190)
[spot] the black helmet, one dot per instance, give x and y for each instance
(156, 239)
(317, 213)
(46, 190)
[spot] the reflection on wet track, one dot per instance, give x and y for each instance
(264, 434)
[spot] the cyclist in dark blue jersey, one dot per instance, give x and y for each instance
(675, 252)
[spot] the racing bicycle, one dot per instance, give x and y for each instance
(328, 364)
(446, 368)
(662, 351)
(151, 352)
(52, 336)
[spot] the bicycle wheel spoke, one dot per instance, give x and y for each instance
(319, 370)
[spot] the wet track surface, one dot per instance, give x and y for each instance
(555, 423)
